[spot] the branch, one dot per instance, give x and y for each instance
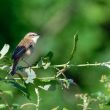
(105, 64)
(74, 47)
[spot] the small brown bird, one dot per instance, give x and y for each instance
(24, 50)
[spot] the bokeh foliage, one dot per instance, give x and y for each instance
(57, 21)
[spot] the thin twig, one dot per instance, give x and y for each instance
(28, 104)
(5, 100)
(38, 98)
(74, 47)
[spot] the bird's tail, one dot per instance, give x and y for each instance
(14, 68)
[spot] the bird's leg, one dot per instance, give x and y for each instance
(30, 69)
(26, 63)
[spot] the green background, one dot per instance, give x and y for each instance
(56, 21)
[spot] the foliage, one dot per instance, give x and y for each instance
(56, 21)
(102, 97)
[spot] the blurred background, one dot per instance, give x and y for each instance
(57, 21)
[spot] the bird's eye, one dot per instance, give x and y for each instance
(33, 34)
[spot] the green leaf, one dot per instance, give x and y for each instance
(46, 60)
(23, 89)
(49, 56)
(8, 93)
(15, 106)
(46, 84)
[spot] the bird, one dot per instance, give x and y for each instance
(24, 50)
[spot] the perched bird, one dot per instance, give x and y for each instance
(24, 50)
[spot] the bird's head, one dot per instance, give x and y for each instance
(32, 35)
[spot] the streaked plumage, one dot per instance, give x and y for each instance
(24, 49)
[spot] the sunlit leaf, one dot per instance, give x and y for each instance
(4, 50)
(45, 87)
(65, 109)
(4, 67)
(56, 108)
(101, 106)
(8, 93)
(31, 75)
(2, 106)
(106, 65)
(46, 65)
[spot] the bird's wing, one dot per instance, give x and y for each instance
(22, 48)
(19, 51)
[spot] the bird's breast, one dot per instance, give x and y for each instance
(28, 52)
(29, 56)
